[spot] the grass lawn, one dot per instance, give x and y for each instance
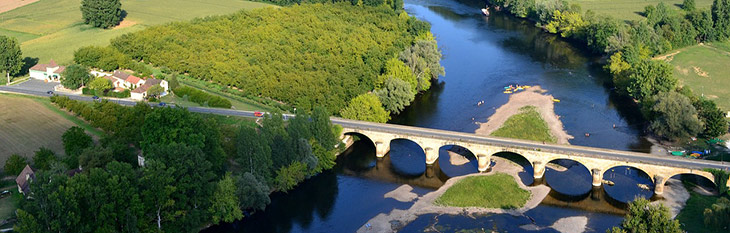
(528, 125)
(54, 28)
(703, 68)
(630, 9)
(8, 204)
(691, 217)
(32, 122)
(494, 191)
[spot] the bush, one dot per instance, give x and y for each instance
(201, 97)
(15, 164)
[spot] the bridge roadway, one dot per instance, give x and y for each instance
(522, 147)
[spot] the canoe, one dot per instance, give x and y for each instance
(556, 100)
(507, 92)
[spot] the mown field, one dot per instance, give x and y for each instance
(629, 9)
(29, 123)
(703, 68)
(54, 28)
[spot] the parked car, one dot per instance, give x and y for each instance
(162, 104)
(5, 193)
(49, 92)
(258, 114)
(95, 97)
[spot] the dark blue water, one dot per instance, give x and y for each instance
(481, 55)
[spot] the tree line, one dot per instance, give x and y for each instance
(196, 170)
(304, 55)
(673, 111)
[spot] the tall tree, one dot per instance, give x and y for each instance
(366, 107)
(254, 153)
(674, 117)
(715, 124)
(75, 76)
(650, 77)
(15, 164)
(10, 56)
(644, 217)
(100, 84)
(225, 205)
(688, 5)
(718, 215)
(158, 186)
(95, 157)
(75, 140)
(395, 95)
(721, 17)
(101, 13)
(43, 158)
(252, 193)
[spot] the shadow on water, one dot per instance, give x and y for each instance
(457, 161)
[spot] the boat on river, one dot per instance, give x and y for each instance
(485, 11)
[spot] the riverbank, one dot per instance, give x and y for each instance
(533, 96)
(391, 222)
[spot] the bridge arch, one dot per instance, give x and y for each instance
(574, 176)
(456, 160)
(407, 157)
(527, 176)
(624, 183)
(359, 136)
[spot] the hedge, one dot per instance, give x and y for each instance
(201, 97)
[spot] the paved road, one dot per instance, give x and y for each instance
(450, 136)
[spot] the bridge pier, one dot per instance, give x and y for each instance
(381, 148)
(597, 177)
(431, 155)
(539, 168)
(484, 162)
(659, 181)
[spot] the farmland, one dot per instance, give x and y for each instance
(54, 28)
(30, 123)
(703, 68)
(629, 9)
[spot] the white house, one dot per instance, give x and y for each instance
(126, 81)
(48, 72)
(140, 92)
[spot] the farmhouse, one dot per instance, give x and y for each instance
(126, 81)
(50, 72)
(140, 92)
(24, 178)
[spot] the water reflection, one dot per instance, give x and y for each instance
(628, 183)
(568, 177)
(457, 161)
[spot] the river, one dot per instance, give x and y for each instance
(481, 56)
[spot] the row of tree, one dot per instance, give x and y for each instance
(188, 179)
(304, 55)
(674, 112)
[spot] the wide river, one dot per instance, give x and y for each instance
(481, 56)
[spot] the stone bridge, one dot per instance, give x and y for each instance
(598, 161)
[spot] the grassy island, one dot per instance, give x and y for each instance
(528, 125)
(495, 191)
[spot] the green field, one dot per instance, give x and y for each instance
(629, 9)
(54, 28)
(494, 191)
(703, 68)
(528, 125)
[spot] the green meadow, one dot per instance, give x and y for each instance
(54, 28)
(703, 68)
(629, 9)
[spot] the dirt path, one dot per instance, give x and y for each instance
(8, 5)
(391, 222)
(533, 96)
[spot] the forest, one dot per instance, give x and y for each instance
(197, 169)
(304, 55)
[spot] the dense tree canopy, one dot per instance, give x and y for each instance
(645, 217)
(101, 13)
(15, 164)
(75, 76)
(395, 95)
(366, 107)
(43, 158)
(75, 141)
(674, 116)
(306, 55)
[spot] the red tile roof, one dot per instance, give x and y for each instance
(133, 79)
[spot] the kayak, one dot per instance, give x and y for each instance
(507, 92)
(556, 100)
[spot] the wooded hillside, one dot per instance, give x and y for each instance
(305, 55)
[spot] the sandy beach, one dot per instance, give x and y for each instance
(533, 96)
